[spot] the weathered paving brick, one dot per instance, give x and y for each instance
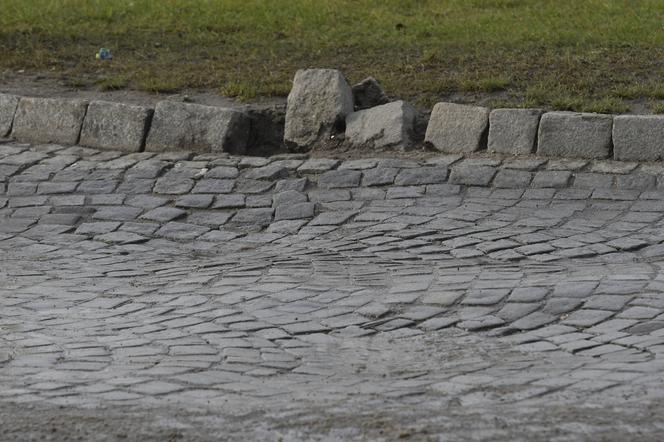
(115, 126)
(8, 105)
(294, 211)
(339, 179)
(48, 120)
(638, 137)
(592, 180)
(510, 178)
(457, 128)
(551, 179)
(421, 175)
(198, 128)
(574, 135)
(513, 131)
(472, 175)
(379, 176)
(260, 216)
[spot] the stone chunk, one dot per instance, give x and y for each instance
(368, 93)
(388, 125)
(513, 131)
(638, 137)
(115, 126)
(574, 135)
(48, 120)
(455, 128)
(198, 128)
(317, 106)
(8, 105)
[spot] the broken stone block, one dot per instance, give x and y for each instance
(368, 93)
(388, 125)
(317, 107)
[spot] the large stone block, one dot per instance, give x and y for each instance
(457, 128)
(48, 120)
(8, 105)
(197, 128)
(638, 137)
(317, 107)
(513, 131)
(574, 135)
(388, 125)
(115, 126)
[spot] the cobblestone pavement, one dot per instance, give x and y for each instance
(148, 296)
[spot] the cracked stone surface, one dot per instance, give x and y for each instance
(234, 296)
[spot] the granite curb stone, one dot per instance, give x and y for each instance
(456, 128)
(8, 105)
(115, 126)
(199, 128)
(48, 120)
(575, 135)
(513, 131)
(638, 137)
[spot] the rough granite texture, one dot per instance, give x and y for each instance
(48, 120)
(513, 131)
(638, 137)
(197, 128)
(575, 135)
(455, 128)
(115, 126)
(317, 105)
(8, 104)
(368, 93)
(388, 125)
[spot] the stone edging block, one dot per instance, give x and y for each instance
(456, 128)
(8, 105)
(513, 131)
(115, 126)
(48, 120)
(199, 128)
(575, 135)
(638, 137)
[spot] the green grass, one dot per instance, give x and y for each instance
(563, 54)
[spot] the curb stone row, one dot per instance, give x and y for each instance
(323, 96)
(322, 106)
